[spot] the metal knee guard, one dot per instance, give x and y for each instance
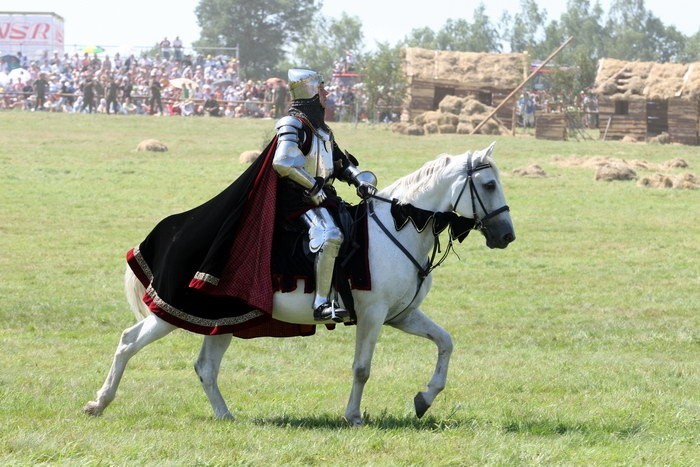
(325, 239)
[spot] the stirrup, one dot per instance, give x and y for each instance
(331, 310)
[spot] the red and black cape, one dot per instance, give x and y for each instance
(208, 270)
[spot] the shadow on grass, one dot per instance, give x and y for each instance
(515, 425)
(383, 422)
(556, 427)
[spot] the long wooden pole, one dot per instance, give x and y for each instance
(521, 85)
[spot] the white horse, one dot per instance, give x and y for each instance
(467, 185)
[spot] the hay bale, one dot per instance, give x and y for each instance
(399, 127)
(431, 128)
(615, 171)
(532, 171)
(686, 181)
(416, 130)
(676, 163)
(151, 145)
(656, 181)
(248, 157)
(663, 138)
(448, 119)
(465, 128)
(473, 106)
(427, 117)
(451, 104)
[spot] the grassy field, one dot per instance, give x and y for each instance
(577, 345)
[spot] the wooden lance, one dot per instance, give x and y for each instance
(521, 85)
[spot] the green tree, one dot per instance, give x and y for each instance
(527, 25)
(638, 35)
(263, 30)
(454, 35)
(484, 36)
(421, 37)
(384, 79)
(691, 51)
(328, 42)
(460, 35)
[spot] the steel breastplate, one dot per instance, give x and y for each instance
(319, 160)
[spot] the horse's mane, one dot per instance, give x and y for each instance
(406, 188)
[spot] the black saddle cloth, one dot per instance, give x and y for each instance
(292, 260)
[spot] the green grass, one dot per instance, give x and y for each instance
(577, 345)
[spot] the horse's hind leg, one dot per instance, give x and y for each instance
(207, 368)
(132, 340)
(417, 323)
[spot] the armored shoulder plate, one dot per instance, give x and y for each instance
(289, 121)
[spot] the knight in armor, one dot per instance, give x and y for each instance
(308, 160)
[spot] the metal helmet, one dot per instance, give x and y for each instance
(304, 84)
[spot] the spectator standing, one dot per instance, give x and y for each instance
(41, 85)
(88, 89)
(112, 93)
(155, 99)
(177, 47)
(165, 48)
(527, 107)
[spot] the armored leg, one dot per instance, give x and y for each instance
(325, 239)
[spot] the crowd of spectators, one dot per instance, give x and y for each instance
(169, 83)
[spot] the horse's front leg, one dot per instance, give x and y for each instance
(207, 368)
(132, 340)
(417, 323)
(368, 328)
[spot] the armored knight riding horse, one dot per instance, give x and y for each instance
(210, 270)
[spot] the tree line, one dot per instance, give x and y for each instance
(274, 35)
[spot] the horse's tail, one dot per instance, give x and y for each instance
(134, 291)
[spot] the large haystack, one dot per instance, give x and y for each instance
(479, 70)
(622, 80)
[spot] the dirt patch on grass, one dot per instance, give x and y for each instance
(531, 171)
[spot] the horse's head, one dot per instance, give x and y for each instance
(479, 196)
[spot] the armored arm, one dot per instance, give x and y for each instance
(364, 180)
(288, 160)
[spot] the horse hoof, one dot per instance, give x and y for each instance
(420, 404)
(92, 408)
(354, 423)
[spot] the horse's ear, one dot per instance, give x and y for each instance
(489, 150)
(480, 156)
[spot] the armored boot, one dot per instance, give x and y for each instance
(325, 239)
(324, 307)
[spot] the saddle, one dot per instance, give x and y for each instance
(292, 260)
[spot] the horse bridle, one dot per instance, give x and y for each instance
(478, 222)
